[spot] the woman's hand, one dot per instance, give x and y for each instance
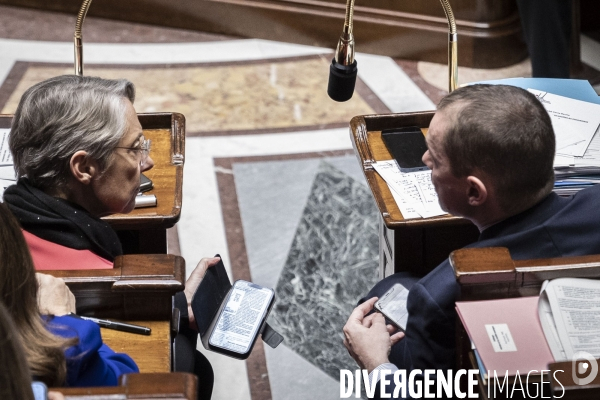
(54, 297)
(194, 281)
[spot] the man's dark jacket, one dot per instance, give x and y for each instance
(555, 227)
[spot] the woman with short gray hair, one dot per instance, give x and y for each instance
(61, 115)
(79, 150)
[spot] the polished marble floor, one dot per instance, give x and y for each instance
(271, 180)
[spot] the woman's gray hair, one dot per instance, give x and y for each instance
(62, 115)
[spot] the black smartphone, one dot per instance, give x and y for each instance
(407, 145)
(40, 390)
(145, 183)
(393, 306)
(241, 317)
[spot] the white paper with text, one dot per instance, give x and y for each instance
(574, 122)
(414, 191)
(575, 307)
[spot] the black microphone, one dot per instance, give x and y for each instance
(342, 79)
(343, 68)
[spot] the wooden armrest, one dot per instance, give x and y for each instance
(562, 374)
(481, 265)
(139, 287)
(485, 273)
(174, 385)
(163, 272)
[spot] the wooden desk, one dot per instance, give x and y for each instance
(564, 383)
(415, 245)
(491, 273)
(175, 385)
(144, 230)
(151, 353)
(138, 287)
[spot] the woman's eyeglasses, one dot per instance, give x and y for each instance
(143, 149)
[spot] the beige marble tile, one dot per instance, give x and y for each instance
(262, 95)
(437, 74)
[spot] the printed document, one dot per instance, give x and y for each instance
(569, 312)
(413, 191)
(575, 122)
(591, 157)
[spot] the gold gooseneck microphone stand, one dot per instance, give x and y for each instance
(452, 47)
(77, 38)
(344, 53)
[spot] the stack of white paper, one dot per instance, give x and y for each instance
(575, 123)
(413, 191)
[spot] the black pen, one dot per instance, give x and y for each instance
(118, 326)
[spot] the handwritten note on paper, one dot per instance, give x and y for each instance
(5, 156)
(413, 191)
(574, 122)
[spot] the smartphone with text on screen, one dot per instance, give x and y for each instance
(240, 318)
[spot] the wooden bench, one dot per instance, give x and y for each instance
(175, 385)
(491, 273)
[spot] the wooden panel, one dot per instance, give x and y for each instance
(488, 273)
(151, 353)
(175, 385)
(564, 387)
(369, 147)
(489, 30)
(420, 244)
(138, 287)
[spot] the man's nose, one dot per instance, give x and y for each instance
(425, 157)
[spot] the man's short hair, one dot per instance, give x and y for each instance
(505, 132)
(62, 115)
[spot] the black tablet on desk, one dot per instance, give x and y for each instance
(407, 145)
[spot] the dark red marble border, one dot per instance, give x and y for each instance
(260, 388)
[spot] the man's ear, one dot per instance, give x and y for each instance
(83, 168)
(477, 192)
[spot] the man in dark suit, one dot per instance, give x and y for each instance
(547, 33)
(491, 152)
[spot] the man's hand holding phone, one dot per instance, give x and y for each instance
(393, 306)
(367, 338)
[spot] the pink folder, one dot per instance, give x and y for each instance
(521, 316)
